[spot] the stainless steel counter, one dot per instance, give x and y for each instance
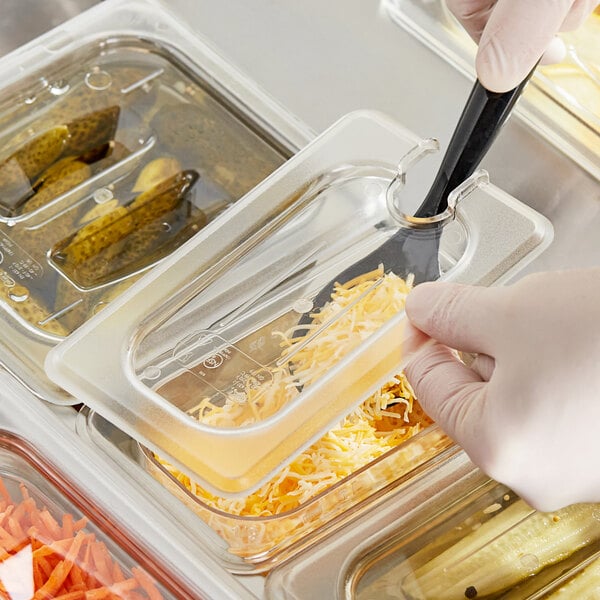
(23, 20)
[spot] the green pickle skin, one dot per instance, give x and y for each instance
(92, 130)
(18, 171)
(125, 240)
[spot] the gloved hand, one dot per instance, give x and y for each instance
(527, 410)
(514, 34)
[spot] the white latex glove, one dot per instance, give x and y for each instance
(527, 411)
(514, 34)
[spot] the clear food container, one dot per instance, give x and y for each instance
(205, 373)
(562, 102)
(295, 510)
(71, 527)
(121, 136)
(49, 547)
(488, 544)
(454, 535)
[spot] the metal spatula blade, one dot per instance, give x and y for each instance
(413, 249)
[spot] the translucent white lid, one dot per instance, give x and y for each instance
(203, 359)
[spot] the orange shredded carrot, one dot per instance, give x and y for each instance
(117, 573)
(68, 561)
(68, 525)
(78, 595)
(49, 521)
(101, 562)
(15, 527)
(6, 513)
(97, 594)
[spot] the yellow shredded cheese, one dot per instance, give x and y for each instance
(382, 422)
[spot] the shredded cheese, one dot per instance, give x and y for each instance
(382, 422)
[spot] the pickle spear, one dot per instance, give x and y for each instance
(18, 171)
(93, 238)
(61, 177)
(92, 130)
(155, 172)
(584, 586)
(504, 551)
(161, 198)
(19, 298)
(160, 215)
(156, 240)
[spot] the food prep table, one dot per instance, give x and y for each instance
(320, 61)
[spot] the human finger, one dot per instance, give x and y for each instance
(451, 393)
(514, 39)
(460, 316)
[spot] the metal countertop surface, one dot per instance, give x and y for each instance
(324, 59)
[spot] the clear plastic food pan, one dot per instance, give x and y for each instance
(72, 527)
(193, 365)
(455, 534)
(487, 544)
(121, 136)
(562, 101)
(49, 548)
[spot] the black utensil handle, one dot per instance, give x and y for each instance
(482, 118)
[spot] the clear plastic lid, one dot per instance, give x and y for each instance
(51, 549)
(453, 535)
(111, 160)
(226, 361)
(116, 147)
(562, 101)
(487, 544)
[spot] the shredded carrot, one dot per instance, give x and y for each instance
(68, 562)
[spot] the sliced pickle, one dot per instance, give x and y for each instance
(159, 216)
(155, 172)
(19, 298)
(162, 198)
(115, 241)
(93, 238)
(92, 130)
(60, 178)
(507, 549)
(99, 210)
(19, 170)
(156, 240)
(64, 176)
